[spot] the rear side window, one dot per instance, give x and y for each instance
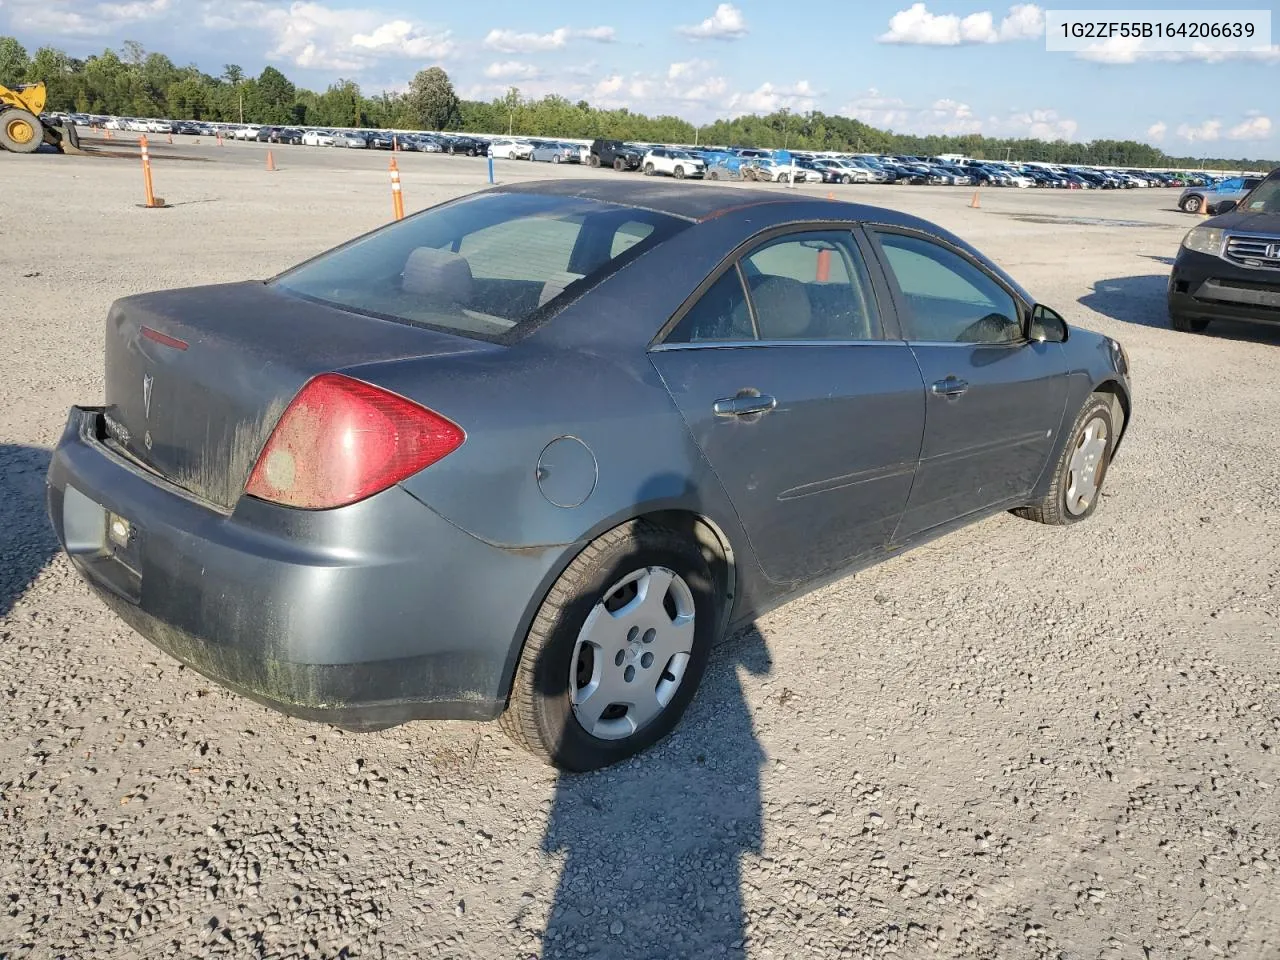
(488, 266)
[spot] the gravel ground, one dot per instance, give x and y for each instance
(1015, 742)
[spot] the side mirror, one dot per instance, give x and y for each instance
(1047, 326)
(1223, 206)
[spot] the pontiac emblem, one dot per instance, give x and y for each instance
(147, 381)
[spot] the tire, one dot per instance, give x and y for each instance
(594, 161)
(1192, 204)
(783, 178)
(20, 131)
(648, 169)
(1060, 507)
(678, 172)
(555, 158)
(541, 715)
(846, 179)
(619, 165)
(713, 175)
(1184, 324)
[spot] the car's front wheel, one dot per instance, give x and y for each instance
(648, 169)
(678, 172)
(1081, 468)
(617, 649)
(1193, 203)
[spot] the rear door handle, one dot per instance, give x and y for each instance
(744, 405)
(950, 387)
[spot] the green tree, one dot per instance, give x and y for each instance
(14, 63)
(278, 96)
(432, 100)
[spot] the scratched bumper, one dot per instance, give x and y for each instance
(364, 617)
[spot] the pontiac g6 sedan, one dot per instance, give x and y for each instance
(529, 453)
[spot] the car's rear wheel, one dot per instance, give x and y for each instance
(1193, 203)
(1081, 468)
(617, 649)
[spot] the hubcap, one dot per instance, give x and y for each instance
(631, 653)
(20, 131)
(1087, 465)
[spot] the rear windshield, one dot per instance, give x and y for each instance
(489, 266)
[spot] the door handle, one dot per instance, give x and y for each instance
(744, 405)
(950, 387)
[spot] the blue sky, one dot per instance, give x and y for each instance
(945, 66)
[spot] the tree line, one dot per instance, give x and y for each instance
(134, 82)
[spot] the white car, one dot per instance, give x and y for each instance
(674, 163)
(158, 126)
(317, 138)
(510, 150)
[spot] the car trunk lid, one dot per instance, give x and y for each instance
(196, 379)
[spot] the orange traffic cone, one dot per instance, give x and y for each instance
(976, 202)
(830, 195)
(271, 161)
(106, 133)
(171, 138)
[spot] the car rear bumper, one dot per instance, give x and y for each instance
(1203, 287)
(364, 617)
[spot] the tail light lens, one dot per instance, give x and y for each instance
(341, 440)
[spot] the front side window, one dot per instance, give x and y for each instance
(484, 265)
(949, 299)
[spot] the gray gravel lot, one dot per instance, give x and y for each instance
(1014, 742)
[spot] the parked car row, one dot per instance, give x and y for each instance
(682, 161)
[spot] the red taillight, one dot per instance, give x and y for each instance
(342, 440)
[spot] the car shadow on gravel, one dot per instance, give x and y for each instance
(27, 542)
(1142, 300)
(653, 847)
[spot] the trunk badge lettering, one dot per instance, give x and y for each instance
(147, 381)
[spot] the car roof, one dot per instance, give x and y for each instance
(705, 202)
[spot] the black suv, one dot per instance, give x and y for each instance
(1228, 267)
(616, 154)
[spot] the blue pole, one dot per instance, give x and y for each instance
(491, 170)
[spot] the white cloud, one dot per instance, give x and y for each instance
(1157, 131)
(727, 23)
(1255, 128)
(609, 86)
(1126, 50)
(768, 97)
(916, 25)
(510, 41)
(319, 37)
(399, 38)
(90, 20)
(511, 70)
(687, 68)
(948, 117)
(1207, 131)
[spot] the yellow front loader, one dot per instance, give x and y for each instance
(22, 130)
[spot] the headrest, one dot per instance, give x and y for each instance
(438, 274)
(782, 308)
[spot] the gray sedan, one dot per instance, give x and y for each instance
(552, 152)
(1195, 199)
(530, 453)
